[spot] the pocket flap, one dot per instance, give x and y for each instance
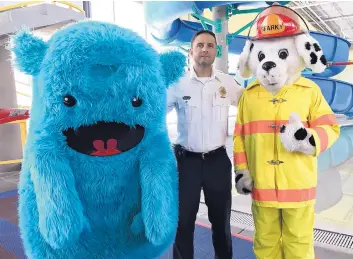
(221, 101)
(186, 101)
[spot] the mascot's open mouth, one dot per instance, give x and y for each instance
(104, 138)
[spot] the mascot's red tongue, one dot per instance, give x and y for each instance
(101, 151)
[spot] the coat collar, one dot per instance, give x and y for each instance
(193, 74)
(302, 81)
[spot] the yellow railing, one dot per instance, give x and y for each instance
(23, 127)
(24, 94)
(70, 5)
(26, 4)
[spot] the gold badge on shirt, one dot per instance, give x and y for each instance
(222, 92)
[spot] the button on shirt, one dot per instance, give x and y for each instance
(202, 106)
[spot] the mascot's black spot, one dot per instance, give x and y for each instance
(323, 60)
(308, 45)
(300, 134)
(316, 47)
(313, 58)
(246, 190)
(238, 177)
(312, 141)
(251, 46)
(282, 129)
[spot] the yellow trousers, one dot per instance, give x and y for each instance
(284, 233)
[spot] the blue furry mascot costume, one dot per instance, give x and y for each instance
(99, 177)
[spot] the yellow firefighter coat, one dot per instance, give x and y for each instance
(281, 179)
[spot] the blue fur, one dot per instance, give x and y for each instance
(170, 61)
(29, 45)
(72, 205)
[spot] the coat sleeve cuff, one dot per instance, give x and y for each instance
(317, 141)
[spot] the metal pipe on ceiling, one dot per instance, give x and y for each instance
(326, 29)
(316, 3)
(338, 18)
(301, 6)
(320, 19)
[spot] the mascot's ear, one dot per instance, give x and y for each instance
(243, 66)
(311, 52)
(173, 66)
(27, 52)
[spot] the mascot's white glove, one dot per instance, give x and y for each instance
(295, 137)
(243, 181)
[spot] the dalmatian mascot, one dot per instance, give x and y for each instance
(283, 124)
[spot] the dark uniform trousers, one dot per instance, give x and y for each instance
(212, 173)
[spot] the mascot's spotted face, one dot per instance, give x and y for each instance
(278, 62)
(99, 89)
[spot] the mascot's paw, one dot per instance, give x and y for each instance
(243, 182)
(137, 225)
(156, 232)
(295, 137)
(60, 232)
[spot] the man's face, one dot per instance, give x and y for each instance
(204, 50)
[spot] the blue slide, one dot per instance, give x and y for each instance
(163, 19)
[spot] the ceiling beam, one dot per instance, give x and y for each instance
(338, 18)
(301, 6)
(319, 22)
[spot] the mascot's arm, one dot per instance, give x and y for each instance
(171, 98)
(323, 131)
(295, 137)
(61, 217)
(323, 124)
(236, 91)
(159, 188)
(243, 181)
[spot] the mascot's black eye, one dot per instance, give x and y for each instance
(261, 56)
(69, 100)
(136, 102)
(283, 53)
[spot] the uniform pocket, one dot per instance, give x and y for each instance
(187, 110)
(220, 108)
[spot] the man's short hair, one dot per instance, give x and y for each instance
(203, 32)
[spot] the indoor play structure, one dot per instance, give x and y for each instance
(15, 116)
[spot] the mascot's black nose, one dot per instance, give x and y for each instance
(268, 65)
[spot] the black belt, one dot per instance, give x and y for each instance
(181, 151)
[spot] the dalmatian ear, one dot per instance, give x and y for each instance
(243, 67)
(311, 52)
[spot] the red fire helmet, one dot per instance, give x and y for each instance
(277, 21)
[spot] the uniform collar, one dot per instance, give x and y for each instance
(302, 81)
(193, 74)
